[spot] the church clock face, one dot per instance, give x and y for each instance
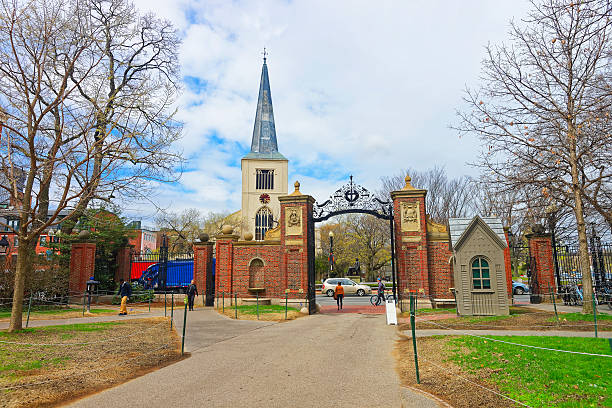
(264, 198)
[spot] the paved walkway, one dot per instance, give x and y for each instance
(547, 333)
(335, 360)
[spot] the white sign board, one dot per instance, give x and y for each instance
(391, 314)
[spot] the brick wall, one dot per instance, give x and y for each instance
(273, 280)
(124, 263)
(82, 261)
(440, 270)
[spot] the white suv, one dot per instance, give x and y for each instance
(350, 287)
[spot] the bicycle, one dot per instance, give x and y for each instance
(604, 295)
(376, 300)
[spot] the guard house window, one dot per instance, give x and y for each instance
(263, 222)
(264, 179)
(480, 274)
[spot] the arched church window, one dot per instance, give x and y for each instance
(263, 222)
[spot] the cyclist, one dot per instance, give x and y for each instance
(381, 292)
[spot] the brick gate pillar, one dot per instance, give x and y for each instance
(82, 262)
(296, 211)
(410, 229)
(225, 260)
(540, 248)
(202, 268)
(124, 263)
(508, 262)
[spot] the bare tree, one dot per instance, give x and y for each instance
(54, 136)
(446, 198)
(182, 227)
(542, 111)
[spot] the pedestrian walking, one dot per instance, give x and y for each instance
(381, 292)
(125, 291)
(192, 292)
(339, 294)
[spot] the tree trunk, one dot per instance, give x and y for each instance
(24, 263)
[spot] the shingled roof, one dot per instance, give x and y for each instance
(458, 226)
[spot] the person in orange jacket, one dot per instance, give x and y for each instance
(339, 294)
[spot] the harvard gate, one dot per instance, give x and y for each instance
(283, 263)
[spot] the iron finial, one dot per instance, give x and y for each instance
(265, 53)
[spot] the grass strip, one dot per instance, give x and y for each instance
(78, 327)
(47, 312)
(540, 378)
(252, 309)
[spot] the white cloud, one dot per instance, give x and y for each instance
(358, 87)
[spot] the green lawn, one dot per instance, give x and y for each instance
(45, 312)
(252, 309)
(580, 317)
(541, 378)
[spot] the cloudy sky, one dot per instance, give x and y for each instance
(359, 87)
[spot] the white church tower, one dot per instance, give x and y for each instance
(264, 169)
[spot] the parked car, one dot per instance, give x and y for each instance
(519, 288)
(350, 287)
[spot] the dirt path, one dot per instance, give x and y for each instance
(322, 360)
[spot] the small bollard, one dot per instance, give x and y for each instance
(29, 306)
(172, 311)
(236, 304)
(184, 327)
(257, 297)
(595, 314)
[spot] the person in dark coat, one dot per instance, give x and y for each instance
(125, 291)
(192, 292)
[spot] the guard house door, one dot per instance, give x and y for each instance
(350, 198)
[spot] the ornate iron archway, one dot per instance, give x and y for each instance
(355, 199)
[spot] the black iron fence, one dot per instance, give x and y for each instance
(569, 268)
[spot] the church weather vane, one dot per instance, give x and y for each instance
(265, 54)
(352, 198)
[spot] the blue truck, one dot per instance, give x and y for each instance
(179, 274)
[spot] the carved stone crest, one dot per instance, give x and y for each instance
(293, 221)
(410, 217)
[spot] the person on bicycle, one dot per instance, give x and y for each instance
(339, 294)
(381, 292)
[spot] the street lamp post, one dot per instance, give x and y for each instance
(331, 253)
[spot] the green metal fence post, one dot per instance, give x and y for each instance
(223, 309)
(165, 307)
(412, 324)
(286, 300)
(552, 295)
(83, 303)
(184, 327)
(149, 302)
(29, 306)
(595, 313)
(172, 311)
(236, 304)
(257, 293)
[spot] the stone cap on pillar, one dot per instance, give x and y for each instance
(204, 240)
(296, 196)
(408, 190)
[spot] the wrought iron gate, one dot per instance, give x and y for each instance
(351, 198)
